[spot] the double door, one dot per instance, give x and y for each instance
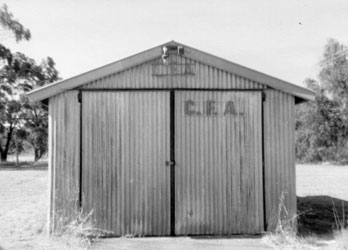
(173, 162)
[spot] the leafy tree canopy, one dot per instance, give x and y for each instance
(9, 23)
(19, 118)
(334, 70)
(322, 125)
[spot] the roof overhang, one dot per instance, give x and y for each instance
(301, 94)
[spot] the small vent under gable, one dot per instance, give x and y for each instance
(178, 71)
(174, 65)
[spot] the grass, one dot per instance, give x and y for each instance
(324, 179)
(23, 212)
(23, 207)
(24, 199)
(287, 236)
(78, 233)
(289, 239)
(322, 211)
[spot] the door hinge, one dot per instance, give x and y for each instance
(263, 96)
(79, 97)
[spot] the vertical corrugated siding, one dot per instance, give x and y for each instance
(64, 148)
(204, 76)
(129, 129)
(218, 178)
(279, 149)
(125, 146)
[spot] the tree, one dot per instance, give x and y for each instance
(9, 118)
(35, 115)
(22, 75)
(36, 127)
(322, 125)
(334, 73)
(10, 24)
(19, 74)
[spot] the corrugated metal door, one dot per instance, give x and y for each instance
(125, 138)
(218, 153)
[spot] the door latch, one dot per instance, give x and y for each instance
(170, 163)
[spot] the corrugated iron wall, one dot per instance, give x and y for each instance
(218, 172)
(64, 157)
(279, 139)
(180, 72)
(64, 143)
(125, 146)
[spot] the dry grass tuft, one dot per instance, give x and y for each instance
(341, 234)
(77, 232)
(285, 235)
(341, 240)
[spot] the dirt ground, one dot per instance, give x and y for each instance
(23, 207)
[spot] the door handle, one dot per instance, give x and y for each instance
(170, 163)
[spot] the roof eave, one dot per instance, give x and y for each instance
(47, 91)
(301, 94)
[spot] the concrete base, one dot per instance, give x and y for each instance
(181, 243)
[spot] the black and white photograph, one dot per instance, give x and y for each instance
(174, 125)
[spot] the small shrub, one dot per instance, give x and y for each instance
(78, 231)
(285, 235)
(285, 231)
(80, 227)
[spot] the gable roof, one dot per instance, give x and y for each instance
(300, 93)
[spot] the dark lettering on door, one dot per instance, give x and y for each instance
(211, 108)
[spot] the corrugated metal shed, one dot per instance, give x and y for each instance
(189, 145)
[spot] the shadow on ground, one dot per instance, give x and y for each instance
(321, 215)
(235, 236)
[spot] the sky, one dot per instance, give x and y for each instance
(282, 38)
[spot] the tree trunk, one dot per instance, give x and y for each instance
(17, 154)
(37, 154)
(4, 152)
(3, 156)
